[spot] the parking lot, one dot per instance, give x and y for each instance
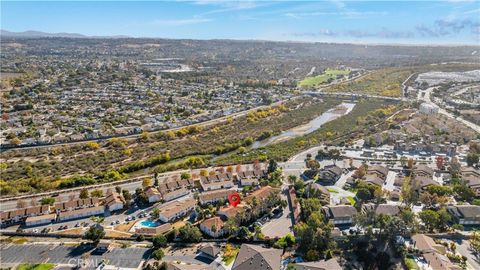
(71, 255)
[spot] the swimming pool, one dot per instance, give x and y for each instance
(149, 223)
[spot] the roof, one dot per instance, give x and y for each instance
(252, 174)
(385, 209)
(216, 178)
(41, 217)
(438, 261)
(214, 195)
(333, 169)
(113, 198)
(257, 258)
(419, 182)
(261, 193)
(377, 169)
(331, 264)
(217, 221)
(62, 206)
(211, 250)
(340, 211)
(151, 191)
(171, 209)
(81, 211)
(154, 230)
(469, 211)
(422, 169)
(374, 179)
(424, 243)
(230, 211)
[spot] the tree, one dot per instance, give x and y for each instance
(408, 194)
(455, 167)
(84, 193)
(185, 175)
(95, 233)
(127, 196)
(475, 242)
(47, 201)
(98, 193)
(155, 213)
(440, 160)
(147, 182)
(430, 218)
(272, 166)
(243, 233)
(462, 192)
(472, 159)
(313, 164)
(203, 172)
(189, 234)
(140, 197)
(158, 254)
(159, 241)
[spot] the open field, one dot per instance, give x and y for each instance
(49, 168)
(320, 79)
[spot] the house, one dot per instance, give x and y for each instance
(174, 194)
(230, 211)
(154, 230)
(17, 215)
(212, 227)
(176, 209)
(81, 213)
(214, 196)
(465, 214)
(378, 170)
(384, 209)
(340, 214)
(216, 181)
(433, 253)
(421, 183)
(210, 251)
(40, 220)
(262, 193)
(251, 178)
(374, 179)
(153, 195)
(258, 258)
(319, 191)
(422, 170)
(76, 204)
(174, 183)
(331, 264)
(471, 176)
(330, 174)
(114, 201)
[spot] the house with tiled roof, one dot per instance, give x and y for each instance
(465, 214)
(214, 196)
(340, 214)
(212, 227)
(174, 194)
(254, 257)
(331, 264)
(114, 201)
(176, 209)
(216, 181)
(433, 253)
(153, 195)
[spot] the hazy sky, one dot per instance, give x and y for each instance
(423, 22)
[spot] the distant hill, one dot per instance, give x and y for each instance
(39, 34)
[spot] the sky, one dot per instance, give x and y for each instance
(399, 22)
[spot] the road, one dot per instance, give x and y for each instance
(472, 260)
(279, 227)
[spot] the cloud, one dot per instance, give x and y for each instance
(180, 22)
(384, 33)
(347, 14)
(321, 32)
(444, 27)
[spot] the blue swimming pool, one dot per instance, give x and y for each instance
(149, 223)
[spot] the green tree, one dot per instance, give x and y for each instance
(430, 218)
(98, 193)
(159, 241)
(95, 233)
(47, 201)
(190, 234)
(155, 213)
(84, 193)
(158, 254)
(472, 159)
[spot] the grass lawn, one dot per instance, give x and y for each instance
(39, 266)
(229, 254)
(125, 227)
(411, 264)
(332, 190)
(229, 260)
(320, 79)
(351, 200)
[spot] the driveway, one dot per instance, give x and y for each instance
(279, 227)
